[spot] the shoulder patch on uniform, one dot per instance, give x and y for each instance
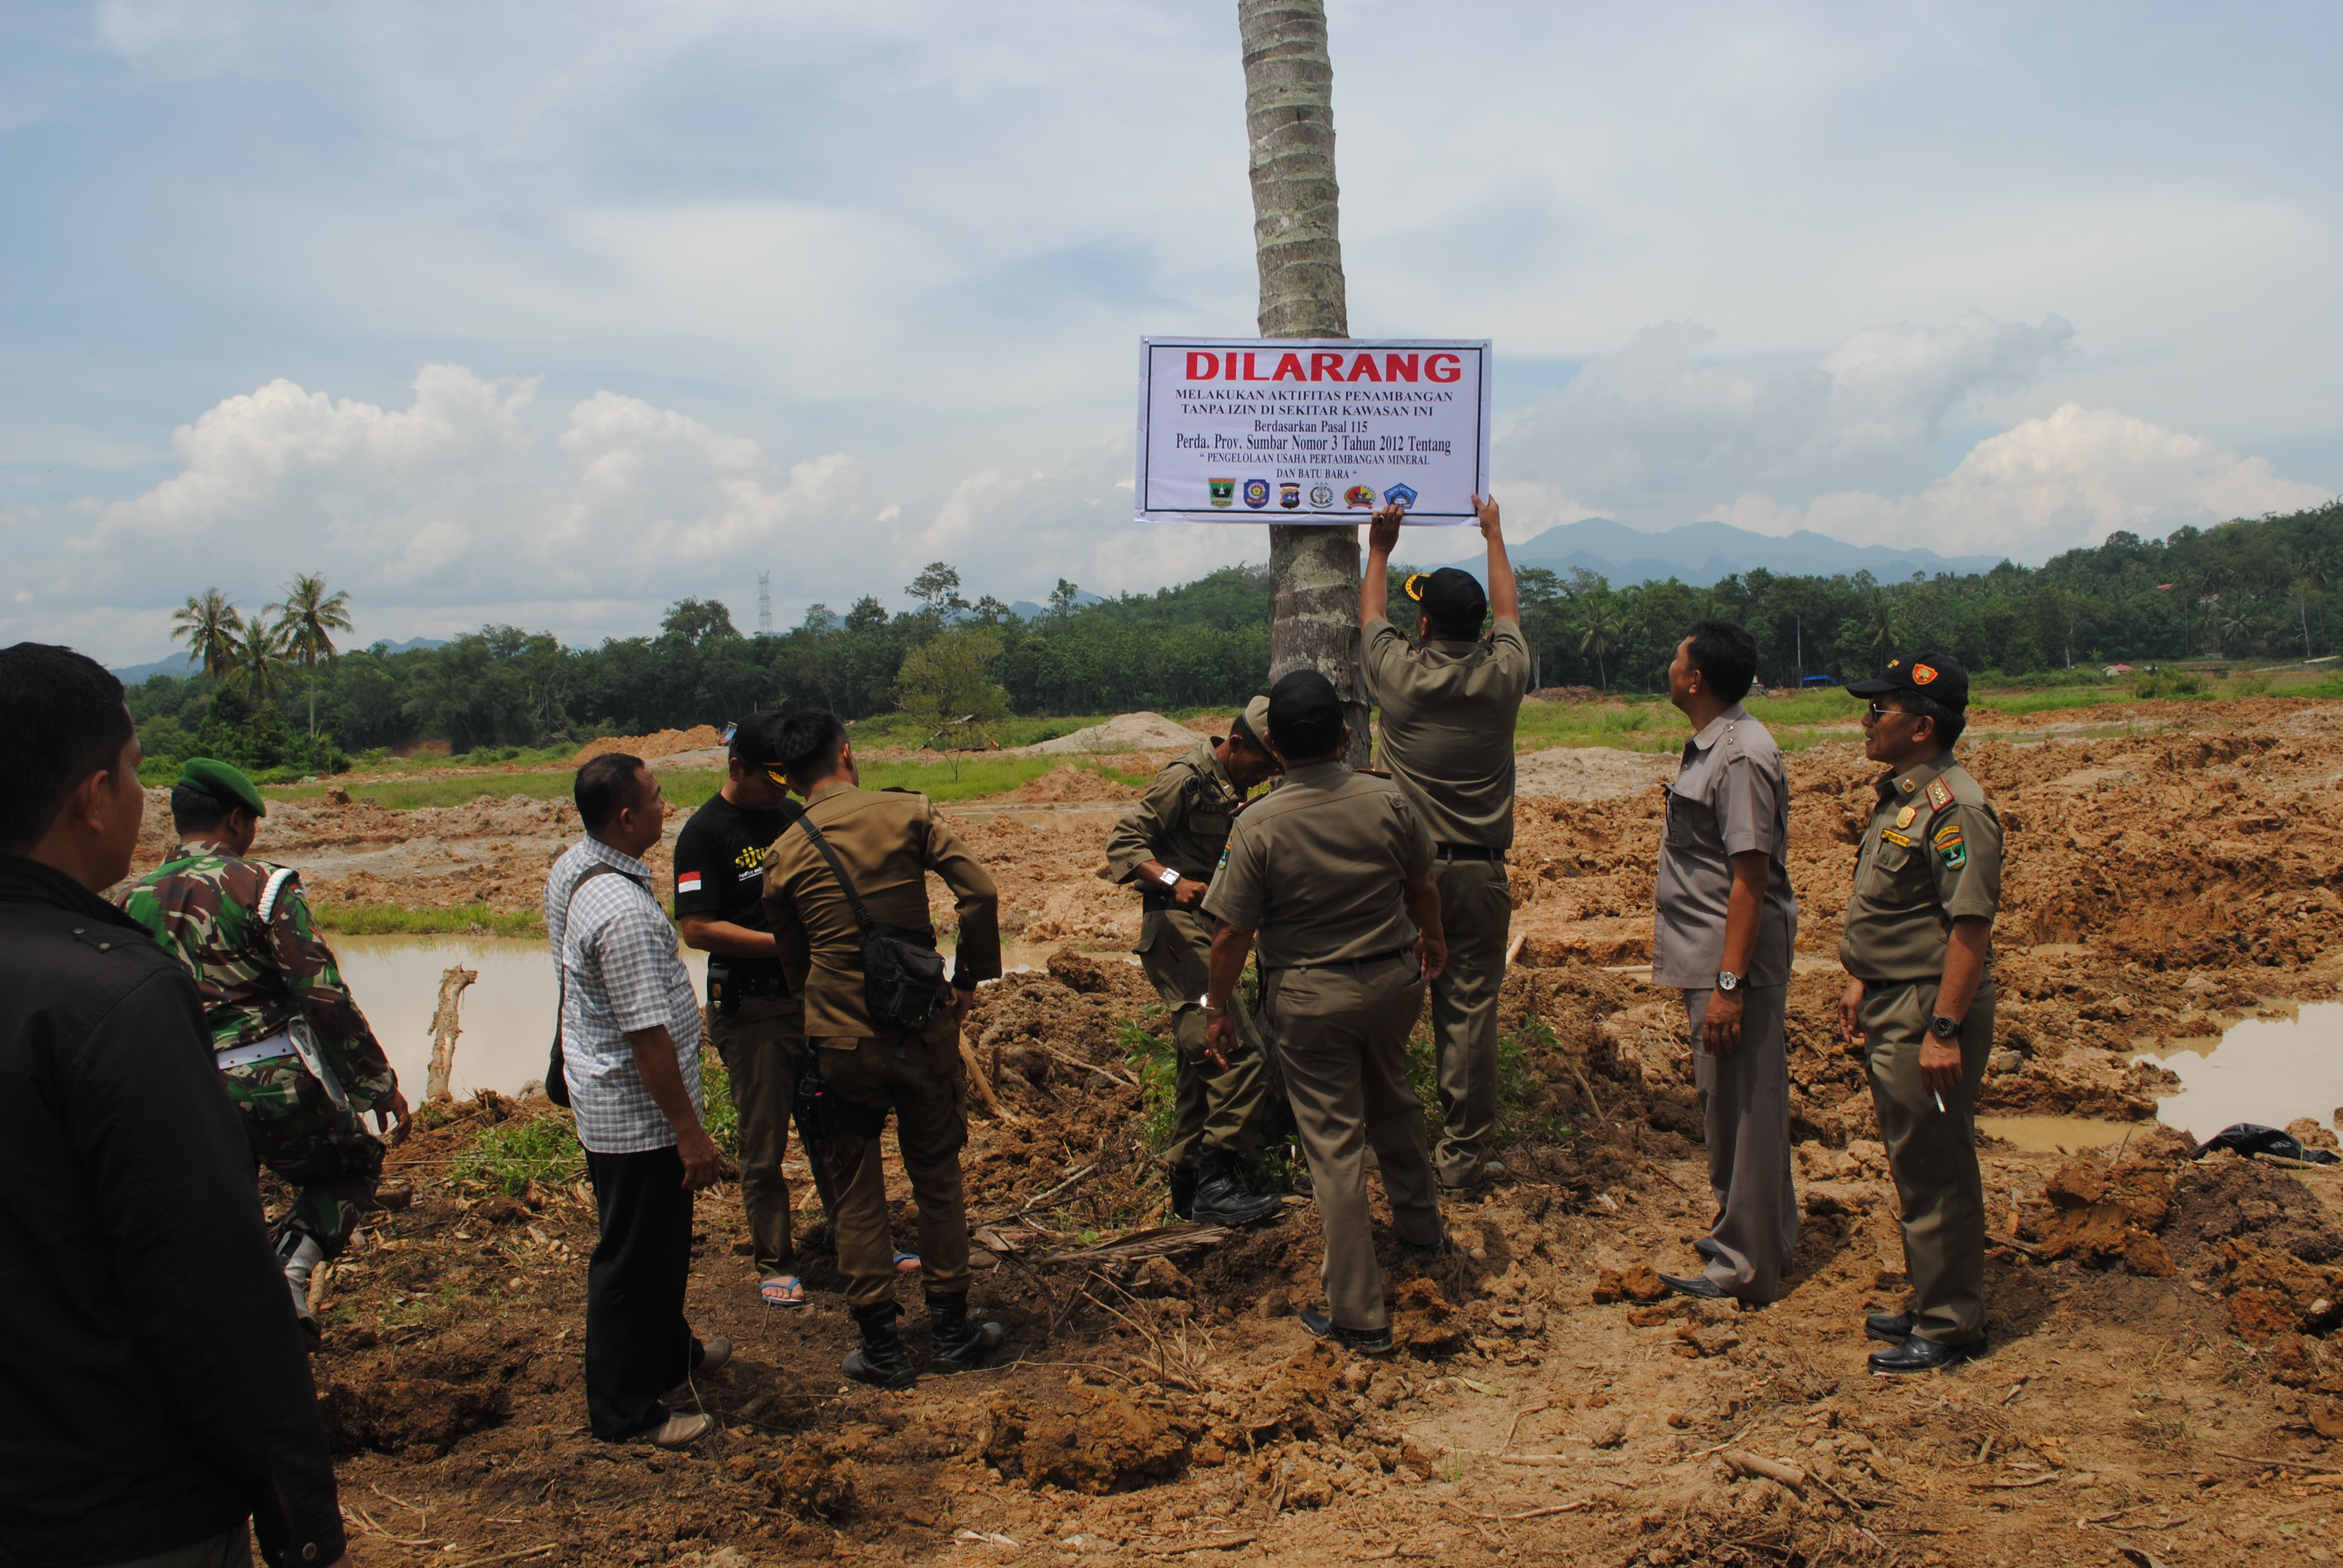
(1954, 855)
(1949, 835)
(1940, 793)
(1224, 860)
(1900, 840)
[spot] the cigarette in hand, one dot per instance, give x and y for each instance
(1940, 1099)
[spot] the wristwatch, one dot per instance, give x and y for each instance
(1944, 1028)
(1169, 878)
(1727, 981)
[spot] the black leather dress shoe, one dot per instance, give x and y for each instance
(1699, 1285)
(1919, 1355)
(1372, 1342)
(1893, 1327)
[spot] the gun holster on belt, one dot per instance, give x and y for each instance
(823, 1113)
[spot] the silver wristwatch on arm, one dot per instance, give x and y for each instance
(1169, 878)
(1727, 981)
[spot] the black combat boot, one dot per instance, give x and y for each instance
(1221, 1196)
(1183, 1192)
(961, 1345)
(881, 1359)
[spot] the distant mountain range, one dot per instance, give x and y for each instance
(1700, 554)
(185, 664)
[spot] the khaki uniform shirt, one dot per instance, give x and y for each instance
(1932, 855)
(1447, 727)
(887, 840)
(1731, 797)
(1182, 821)
(1318, 869)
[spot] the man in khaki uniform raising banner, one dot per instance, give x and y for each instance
(1919, 945)
(1334, 871)
(1446, 733)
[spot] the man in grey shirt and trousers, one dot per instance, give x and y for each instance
(1725, 930)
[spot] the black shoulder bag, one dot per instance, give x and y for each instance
(557, 1080)
(902, 973)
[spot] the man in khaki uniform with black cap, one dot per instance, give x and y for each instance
(886, 841)
(1918, 945)
(1446, 734)
(1167, 845)
(1334, 872)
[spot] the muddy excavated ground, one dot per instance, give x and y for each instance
(2165, 1384)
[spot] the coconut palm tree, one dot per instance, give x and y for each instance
(1604, 634)
(260, 663)
(209, 625)
(310, 617)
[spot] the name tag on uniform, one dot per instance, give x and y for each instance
(1901, 840)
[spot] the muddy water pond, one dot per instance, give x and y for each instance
(2269, 1070)
(508, 1012)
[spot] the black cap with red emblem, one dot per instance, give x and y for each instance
(1935, 675)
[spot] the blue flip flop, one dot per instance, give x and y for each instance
(784, 1284)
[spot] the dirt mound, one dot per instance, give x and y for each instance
(665, 743)
(1123, 732)
(1589, 772)
(1068, 781)
(2223, 1198)
(1095, 1440)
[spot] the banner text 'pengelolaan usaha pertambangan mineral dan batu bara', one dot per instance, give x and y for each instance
(1310, 430)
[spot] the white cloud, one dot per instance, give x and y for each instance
(1662, 428)
(2067, 479)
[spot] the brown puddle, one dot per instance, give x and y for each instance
(2269, 1070)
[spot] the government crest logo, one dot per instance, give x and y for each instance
(1225, 491)
(1359, 495)
(1289, 495)
(1256, 493)
(1399, 495)
(1321, 497)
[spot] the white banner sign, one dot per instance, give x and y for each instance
(1311, 430)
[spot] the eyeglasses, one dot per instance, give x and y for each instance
(1879, 710)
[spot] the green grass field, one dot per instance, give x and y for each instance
(1628, 722)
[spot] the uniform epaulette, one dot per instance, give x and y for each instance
(1940, 794)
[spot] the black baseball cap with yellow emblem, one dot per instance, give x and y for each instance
(1935, 675)
(1450, 597)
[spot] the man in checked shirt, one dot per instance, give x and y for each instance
(630, 1052)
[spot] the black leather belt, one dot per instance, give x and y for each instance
(1467, 852)
(748, 978)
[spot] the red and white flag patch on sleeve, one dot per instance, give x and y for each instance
(687, 881)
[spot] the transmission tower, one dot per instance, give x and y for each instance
(765, 604)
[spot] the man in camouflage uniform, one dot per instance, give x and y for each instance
(296, 1057)
(1168, 846)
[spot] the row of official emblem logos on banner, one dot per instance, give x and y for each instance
(1360, 497)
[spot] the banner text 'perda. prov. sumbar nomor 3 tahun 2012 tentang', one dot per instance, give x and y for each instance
(1311, 430)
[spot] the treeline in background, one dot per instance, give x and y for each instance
(2261, 592)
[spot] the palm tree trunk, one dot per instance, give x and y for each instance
(1290, 127)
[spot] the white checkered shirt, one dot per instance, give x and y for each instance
(621, 971)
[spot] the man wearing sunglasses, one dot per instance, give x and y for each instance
(1919, 1001)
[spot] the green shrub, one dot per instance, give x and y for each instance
(722, 1117)
(1153, 1060)
(510, 1155)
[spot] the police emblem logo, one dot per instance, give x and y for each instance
(1289, 495)
(1256, 493)
(1923, 673)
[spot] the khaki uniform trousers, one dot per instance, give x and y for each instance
(1212, 1107)
(1342, 1033)
(916, 1074)
(1745, 1105)
(762, 1044)
(1932, 1154)
(1476, 909)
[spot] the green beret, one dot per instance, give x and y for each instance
(228, 783)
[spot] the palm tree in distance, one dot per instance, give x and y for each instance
(1601, 638)
(260, 663)
(310, 617)
(209, 626)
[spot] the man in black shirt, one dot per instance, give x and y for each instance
(757, 1026)
(157, 1388)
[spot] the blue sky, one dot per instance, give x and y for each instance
(553, 314)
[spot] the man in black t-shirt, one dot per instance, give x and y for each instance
(757, 1026)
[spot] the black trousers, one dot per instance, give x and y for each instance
(638, 1343)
